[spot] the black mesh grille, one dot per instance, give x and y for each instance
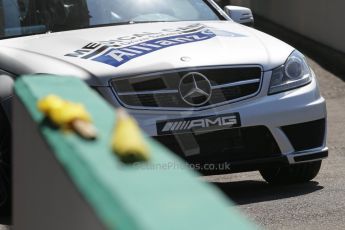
(306, 136)
(229, 145)
(232, 93)
(152, 100)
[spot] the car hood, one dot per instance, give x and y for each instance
(99, 54)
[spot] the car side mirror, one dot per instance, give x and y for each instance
(240, 15)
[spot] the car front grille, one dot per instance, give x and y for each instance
(163, 90)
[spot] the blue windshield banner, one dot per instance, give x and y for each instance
(118, 51)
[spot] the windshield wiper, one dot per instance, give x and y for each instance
(137, 22)
(121, 23)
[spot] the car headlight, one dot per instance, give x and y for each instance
(293, 74)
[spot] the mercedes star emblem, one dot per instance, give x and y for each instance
(195, 89)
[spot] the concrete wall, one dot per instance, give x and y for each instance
(44, 197)
(319, 20)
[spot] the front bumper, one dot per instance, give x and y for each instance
(248, 149)
(283, 115)
(273, 161)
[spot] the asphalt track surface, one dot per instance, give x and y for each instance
(319, 204)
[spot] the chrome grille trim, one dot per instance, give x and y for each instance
(239, 83)
(153, 94)
(176, 91)
(148, 92)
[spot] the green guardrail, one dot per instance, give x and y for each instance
(127, 197)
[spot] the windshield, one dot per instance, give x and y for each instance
(26, 17)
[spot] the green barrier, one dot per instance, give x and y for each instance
(127, 197)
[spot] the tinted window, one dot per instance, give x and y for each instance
(24, 17)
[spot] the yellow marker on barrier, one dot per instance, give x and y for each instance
(128, 142)
(68, 115)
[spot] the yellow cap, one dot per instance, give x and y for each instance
(62, 112)
(128, 142)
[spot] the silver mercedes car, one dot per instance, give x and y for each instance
(199, 79)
